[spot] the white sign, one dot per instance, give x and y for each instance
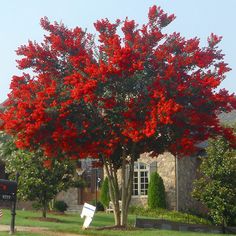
(87, 212)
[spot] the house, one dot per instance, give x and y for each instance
(88, 191)
(177, 175)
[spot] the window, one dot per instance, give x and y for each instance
(140, 181)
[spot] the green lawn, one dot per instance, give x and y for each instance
(72, 223)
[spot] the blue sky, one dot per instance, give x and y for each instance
(19, 22)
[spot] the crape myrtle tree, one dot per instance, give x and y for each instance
(137, 91)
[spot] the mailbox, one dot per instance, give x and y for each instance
(7, 190)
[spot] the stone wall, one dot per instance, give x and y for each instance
(70, 197)
(140, 201)
(166, 169)
(187, 173)
(165, 166)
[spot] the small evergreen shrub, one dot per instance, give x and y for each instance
(60, 206)
(105, 197)
(156, 192)
(36, 206)
(99, 205)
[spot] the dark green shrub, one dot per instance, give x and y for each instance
(105, 197)
(156, 192)
(99, 205)
(60, 206)
(36, 206)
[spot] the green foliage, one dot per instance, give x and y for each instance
(36, 206)
(79, 183)
(216, 188)
(156, 192)
(105, 197)
(71, 223)
(99, 205)
(161, 213)
(37, 182)
(60, 206)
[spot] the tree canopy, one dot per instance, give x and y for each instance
(216, 188)
(143, 85)
(134, 90)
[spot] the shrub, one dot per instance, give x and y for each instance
(216, 187)
(105, 197)
(99, 205)
(36, 206)
(60, 206)
(174, 216)
(156, 192)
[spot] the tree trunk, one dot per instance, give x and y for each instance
(127, 183)
(44, 210)
(113, 189)
(121, 217)
(44, 205)
(223, 226)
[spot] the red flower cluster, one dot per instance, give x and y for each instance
(144, 87)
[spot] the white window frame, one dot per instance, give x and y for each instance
(140, 170)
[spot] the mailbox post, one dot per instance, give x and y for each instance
(8, 191)
(13, 210)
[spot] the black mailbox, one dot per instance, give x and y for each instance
(7, 190)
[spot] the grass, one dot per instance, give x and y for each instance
(72, 223)
(169, 215)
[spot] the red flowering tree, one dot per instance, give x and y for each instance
(139, 91)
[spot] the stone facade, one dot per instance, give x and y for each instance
(70, 196)
(178, 176)
(187, 173)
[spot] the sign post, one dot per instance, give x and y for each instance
(8, 191)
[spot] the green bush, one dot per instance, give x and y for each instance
(36, 206)
(156, 192)
(99, 205)
(105, 197)
(216, 187)
(60, 206)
